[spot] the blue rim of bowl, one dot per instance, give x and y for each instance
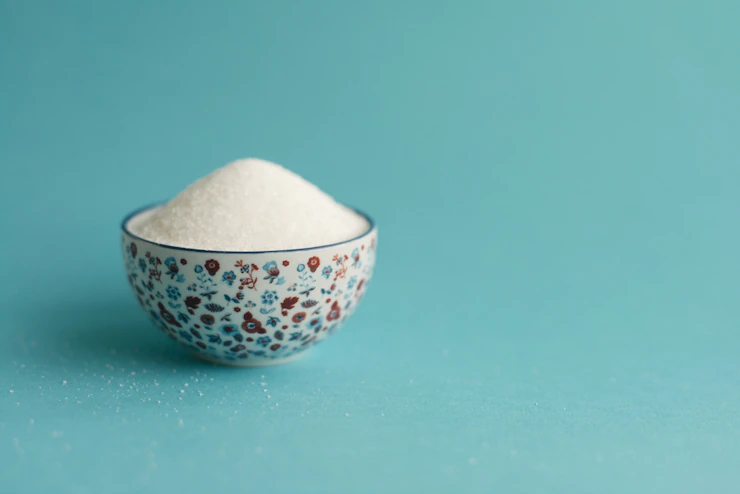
(137, 212)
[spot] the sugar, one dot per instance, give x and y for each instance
(250, 205)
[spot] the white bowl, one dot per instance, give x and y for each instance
(248, 308)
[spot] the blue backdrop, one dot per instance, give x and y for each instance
(555, 306)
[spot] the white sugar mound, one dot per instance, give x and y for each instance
(250, 205)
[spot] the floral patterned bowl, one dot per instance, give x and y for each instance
(248, 308)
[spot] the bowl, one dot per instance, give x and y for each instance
(248, 308)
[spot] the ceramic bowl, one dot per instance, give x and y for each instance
(248, 308)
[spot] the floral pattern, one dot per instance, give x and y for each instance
(228, 278)
(273, 273)
(334, 313)
(313, 263)
(249, 309)
(212, 266)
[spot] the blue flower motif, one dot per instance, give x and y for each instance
(142, 264)
(301, 267)
(352, 282)
(272, 321)
(326, 272)
(173, 293)
(229, 277)
(173, 270)
(263, 341)
(259, 353)
(230, 329)
(296, 336)
(272, 270)
(198, 268)
(269, 297)
(185, 335)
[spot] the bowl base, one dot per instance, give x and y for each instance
(250, 363)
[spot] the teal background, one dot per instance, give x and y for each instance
(555, 307)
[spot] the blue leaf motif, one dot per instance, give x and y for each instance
(280, 280)
(265, 311)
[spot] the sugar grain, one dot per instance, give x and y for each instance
(250, 205)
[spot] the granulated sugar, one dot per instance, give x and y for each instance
(250, 205)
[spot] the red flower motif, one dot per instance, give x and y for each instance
(299, 317)
(335, 312)
(313, 264)
(252, 325)
(134, 249)
(207, 319)
(286, 263)
(288, 303)
(192, 302)
(167, 316)
(212, 266)
(275, 347)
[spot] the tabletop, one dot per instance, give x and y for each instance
(555, 301)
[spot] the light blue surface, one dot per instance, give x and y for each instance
(555, 307)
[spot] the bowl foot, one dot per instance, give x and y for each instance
(257, 362)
